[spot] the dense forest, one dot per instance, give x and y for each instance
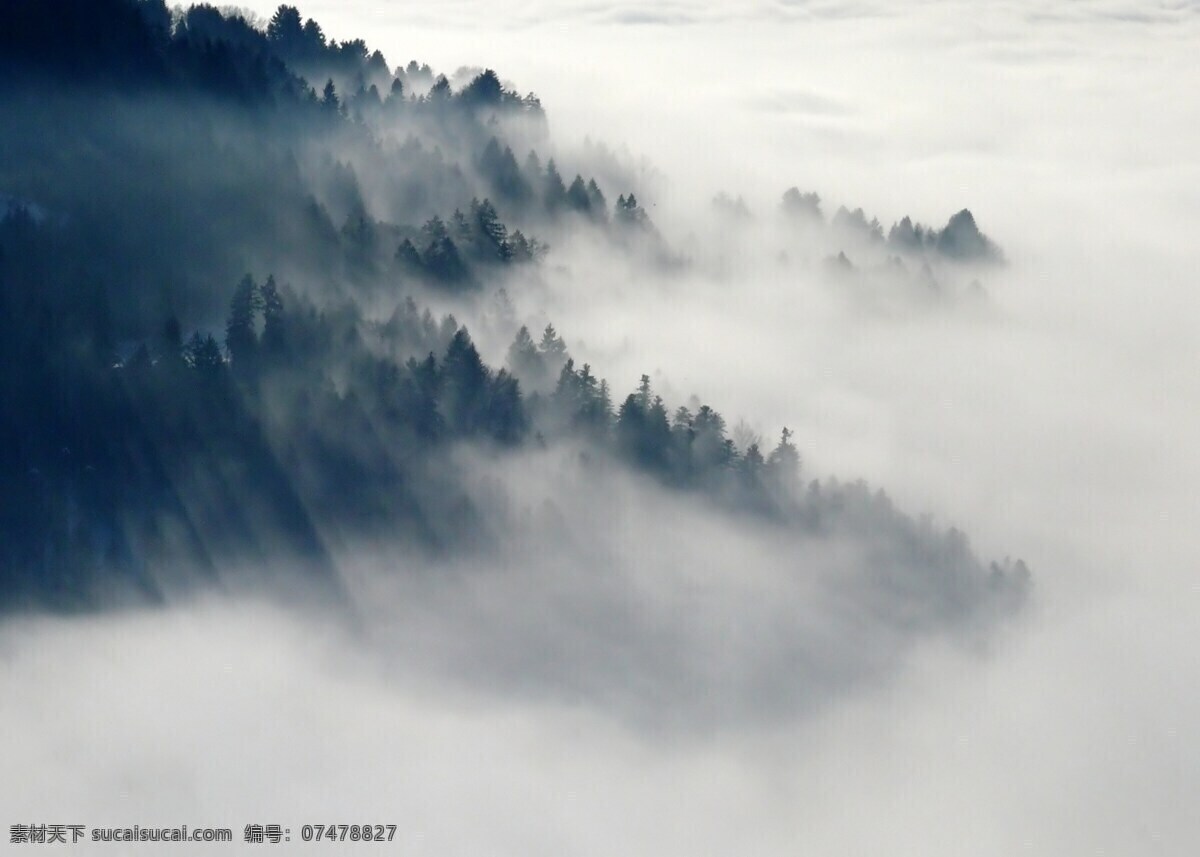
(230, 261)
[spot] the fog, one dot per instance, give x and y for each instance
(658, 680)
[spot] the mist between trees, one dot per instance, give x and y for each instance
(174, 423)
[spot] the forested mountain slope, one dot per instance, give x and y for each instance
(218, 249)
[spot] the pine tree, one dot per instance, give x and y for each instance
(439, 93)
(567, 393)
(203, 354)
(784, 462)
(285, 28)
(272, 308)
(525, 360)
(711, 448)
(554, 192)
(577, 196)
(502, 172)
(533, 169)
(597, 204)
(603, 408)
(419, 395)
(519, 247)
(492, 232)
(408, 257)
(434, 229)
(643, 392)
(656, 441)
(314, 37)
(505, 417)
(464, 384)
(643, 433)
(553, 349)
(329, 98)
(631, 418)
(484, 90)
(241, 337)
(629, 212)
(464, 235)
(445, 264)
